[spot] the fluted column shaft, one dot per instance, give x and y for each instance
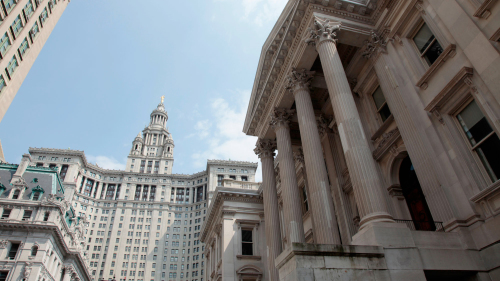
(289, 186)
(362, 170)
(319, 188)
(265, 150)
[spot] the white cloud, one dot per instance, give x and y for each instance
(226, 140)
(260, 11)
(106, 162)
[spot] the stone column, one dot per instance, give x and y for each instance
(362, 170)
(294, 228)
(68, 270)
(319, 188)
(265, 150)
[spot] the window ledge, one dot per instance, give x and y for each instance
(242, 257)
(383, 128)
(449, 52)
(483, 10)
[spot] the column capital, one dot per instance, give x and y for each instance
(280, 117)
(323, 122)
(374, 46)
(299, 79)
(323, 30)
(265, 148)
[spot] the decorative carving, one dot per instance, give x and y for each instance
(3, 244)
(27, 270)
(281, 117)
(388, 139)
(299, 155)
(437, 114)
(265, 148)
(376, 44)
(323, 122)
(299, 79)
(323, 30)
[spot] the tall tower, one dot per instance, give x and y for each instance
(153, 151)
(26, 26)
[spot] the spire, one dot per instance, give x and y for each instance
(139, 136)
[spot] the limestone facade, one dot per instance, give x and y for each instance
(144, 222)
(385, 119)
(25, 26)
(41, 238)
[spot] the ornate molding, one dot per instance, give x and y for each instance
(449, 52)
(323, 30)
(483, 10)
(3, 244)
(388, 139)
(322, 123)
(280, 117)
(299, 79)
(374, 46)
(265, 148)
(462, 77)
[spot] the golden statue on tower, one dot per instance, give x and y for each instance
(162, 98)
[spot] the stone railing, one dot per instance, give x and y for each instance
(240, 184)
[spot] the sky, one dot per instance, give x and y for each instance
(107, 63)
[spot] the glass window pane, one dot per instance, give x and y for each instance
(488, 152)
(433, 53)
(474, 124)
(378, 97)
(246, 235)
(423, 38)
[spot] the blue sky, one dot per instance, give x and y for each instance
(107, 63)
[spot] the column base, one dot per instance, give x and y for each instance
(385, 234)
(375, 218)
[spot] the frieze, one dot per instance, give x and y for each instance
(388, 139)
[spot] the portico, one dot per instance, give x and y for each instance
(331, 85)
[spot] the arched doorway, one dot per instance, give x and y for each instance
(414, 197)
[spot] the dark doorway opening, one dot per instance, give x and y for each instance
(414, 197)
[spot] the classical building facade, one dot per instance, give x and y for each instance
(41, 238)
(385, 118)
(144, 222)
(234, 233)
(25, 26)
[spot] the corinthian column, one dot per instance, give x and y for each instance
(265, 150)
(362, 170)
(280, 119)
(319, 188)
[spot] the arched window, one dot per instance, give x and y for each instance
(168, 149)
(136, 146)
(36, 193)
(34, 250)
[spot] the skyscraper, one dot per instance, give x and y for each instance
(25, 26)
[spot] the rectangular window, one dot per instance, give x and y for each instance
(6, 213)
(28, 10)
(427, 44)
(381, 104)
(8, 5)
(34, 31)
(23, 48)
(3, 275)
(246, 242)
(483, 140)
(27, 215)
(2, 83)
(14, 247)
(16, 26)
(11, 67)
(4, 44)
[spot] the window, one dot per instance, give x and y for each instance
(34, 31)
(28, 10)
(46, 216)
(427, 44)
(13, 251)
(6, 213)
(306, 203)
(381, 104)
(16, 26)
(27, 215)
(43, 16)
(8, 5)
(483, 140)
(34, 251)
(246, 242)
(12, 66)
(4, 44)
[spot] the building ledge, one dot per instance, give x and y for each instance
(242, 257)
(449, 52)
